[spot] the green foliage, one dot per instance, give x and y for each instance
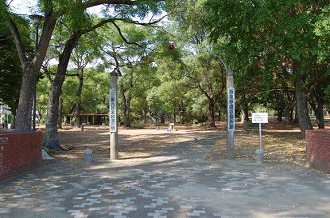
(137, 126)
(10, 69)
(271, 44)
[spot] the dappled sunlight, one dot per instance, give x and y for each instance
(156, 160)
(279, 146)
(133, 143)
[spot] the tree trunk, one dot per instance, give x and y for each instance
(60, 114)
(24, 109)
(245, 109)
(125, 106)
(211, 116)
(182, 112)
(30, 70)
(13, 121)
(320, 115)
(246, 114)
(292, 115)
(288, 115)
(162, 118)
(174, 115)
(318, 110)
(79, 92)
(302, 108)
(51, 134)
(280, 115)
(219, 115)
(145, 112)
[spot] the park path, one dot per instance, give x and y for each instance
(174, 182)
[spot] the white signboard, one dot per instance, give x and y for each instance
(259, 117)
(113, 112)
(231, 109)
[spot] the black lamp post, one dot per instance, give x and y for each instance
(36, 20)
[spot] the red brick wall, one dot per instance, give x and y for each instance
(318, 149)
(19, 153)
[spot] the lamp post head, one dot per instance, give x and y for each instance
(36, 19)
(230, 72)
(171, 46)
(116, 72)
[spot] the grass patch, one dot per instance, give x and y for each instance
(137, 126)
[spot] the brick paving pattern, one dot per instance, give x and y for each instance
(175, 183)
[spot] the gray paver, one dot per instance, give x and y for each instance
(176, 183)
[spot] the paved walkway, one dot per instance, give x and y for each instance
(175, 183)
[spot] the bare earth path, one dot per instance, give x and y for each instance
(162, 174)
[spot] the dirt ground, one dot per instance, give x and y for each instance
(280, 143)
(132, 142)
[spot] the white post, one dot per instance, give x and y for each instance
(113, 111)
(230, 114)
(260, 139)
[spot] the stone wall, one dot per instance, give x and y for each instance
(318, 149)
(19, 152)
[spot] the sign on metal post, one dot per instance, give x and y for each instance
(259, 117)
(113, 111)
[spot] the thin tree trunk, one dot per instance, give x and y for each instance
(51, 134)
(60, 114)
(182, 112)
(245, 109)
(280, 115)
(293, 115)
(288, 116)
(162, 118)
(125, 106)
(320, 115)
(211, 116)
(79, 92)
(145, 112)
(219, 115)
(246, 114)
(318, 111)
(13, 121)
(302, 108)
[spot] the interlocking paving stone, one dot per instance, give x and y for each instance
(180, 189)
(4, 210)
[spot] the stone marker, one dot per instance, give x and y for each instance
(259, 156)
(45, 156)
(88, 157)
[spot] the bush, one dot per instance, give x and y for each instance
(194, 121)
(137, 126)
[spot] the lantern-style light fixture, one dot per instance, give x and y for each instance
(36, 19)
(171, 46)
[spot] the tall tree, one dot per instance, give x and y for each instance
(10, 70)
(85, 52)
(53, 10)
(76, 31)
(208, 76)
(283, 34)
